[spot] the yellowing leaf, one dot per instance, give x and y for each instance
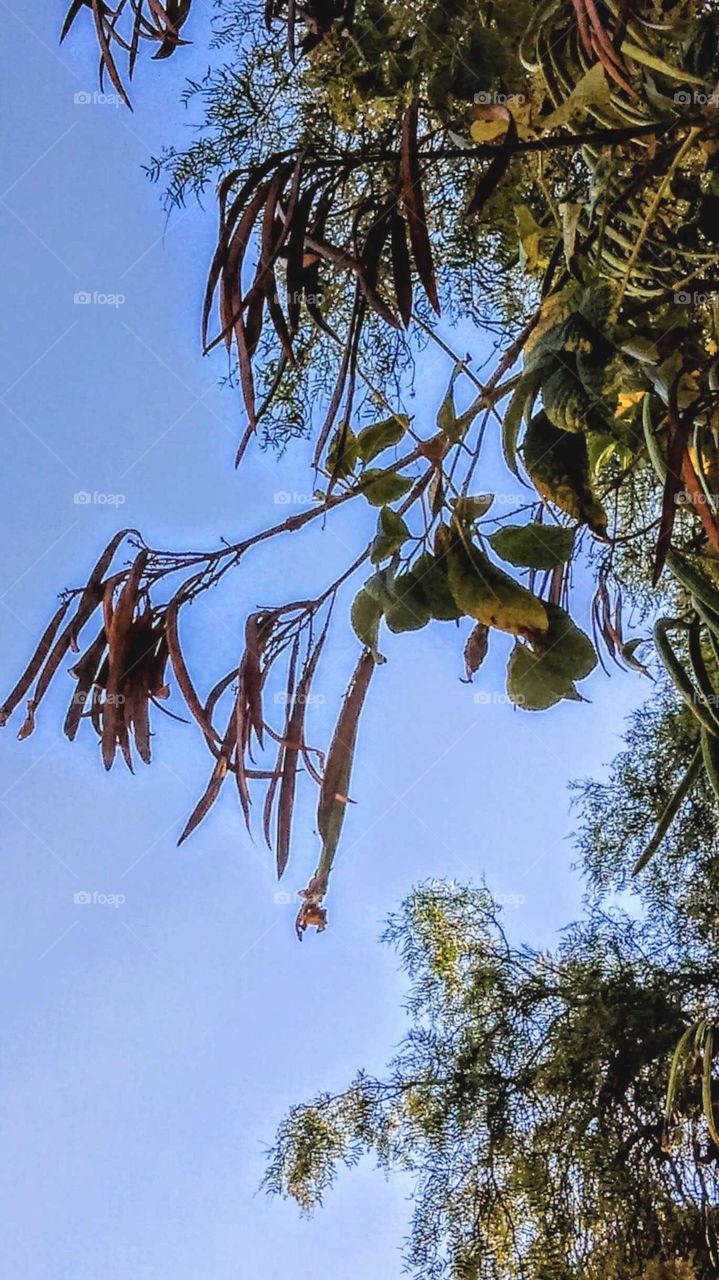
(592, 90)
(490, 123)
(487, 130)
(558, 463)
(627, 399)
(531, 235)
(485, 592)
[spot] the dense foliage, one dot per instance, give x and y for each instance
(547, 173)
(527, 1103)
(377, 162)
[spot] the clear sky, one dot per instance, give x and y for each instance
(147, 1050)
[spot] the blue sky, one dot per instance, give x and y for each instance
(149, 1049)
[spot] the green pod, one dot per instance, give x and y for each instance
(707, 1085)
(656, 456)
(680, 678)
(701, 674)
(710, 756)
(710, 620)
(671, 810)
(680, 1053)
(694, 581)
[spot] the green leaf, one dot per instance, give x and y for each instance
(710, 757)
(707, 1092)
(342, 466)
(538, 679)
(527, 685)
(640, 348)
(485, 592)
(534, 546)
(380, 487)
(373, 440)
(469, 509)
(408, 610)
(558, 463)
(520, 405)
(431, 574)
(533, 255)
(446, 416)
(435, 492)
(567, 652)
(597, 304)
(452, 424)
(680, 1059)
(392, 532)
(376, 586)
(366, 615)
(640, 55)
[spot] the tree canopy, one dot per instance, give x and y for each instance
(527, 1102)
(550, 171)
(556, 1112)
(547, 174)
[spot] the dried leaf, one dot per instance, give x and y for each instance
(414, 206)
(295, 732)
(86, 670)
(182, 675)
(475, 650)
(401, 268)
(338, 769)
(34, 665)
